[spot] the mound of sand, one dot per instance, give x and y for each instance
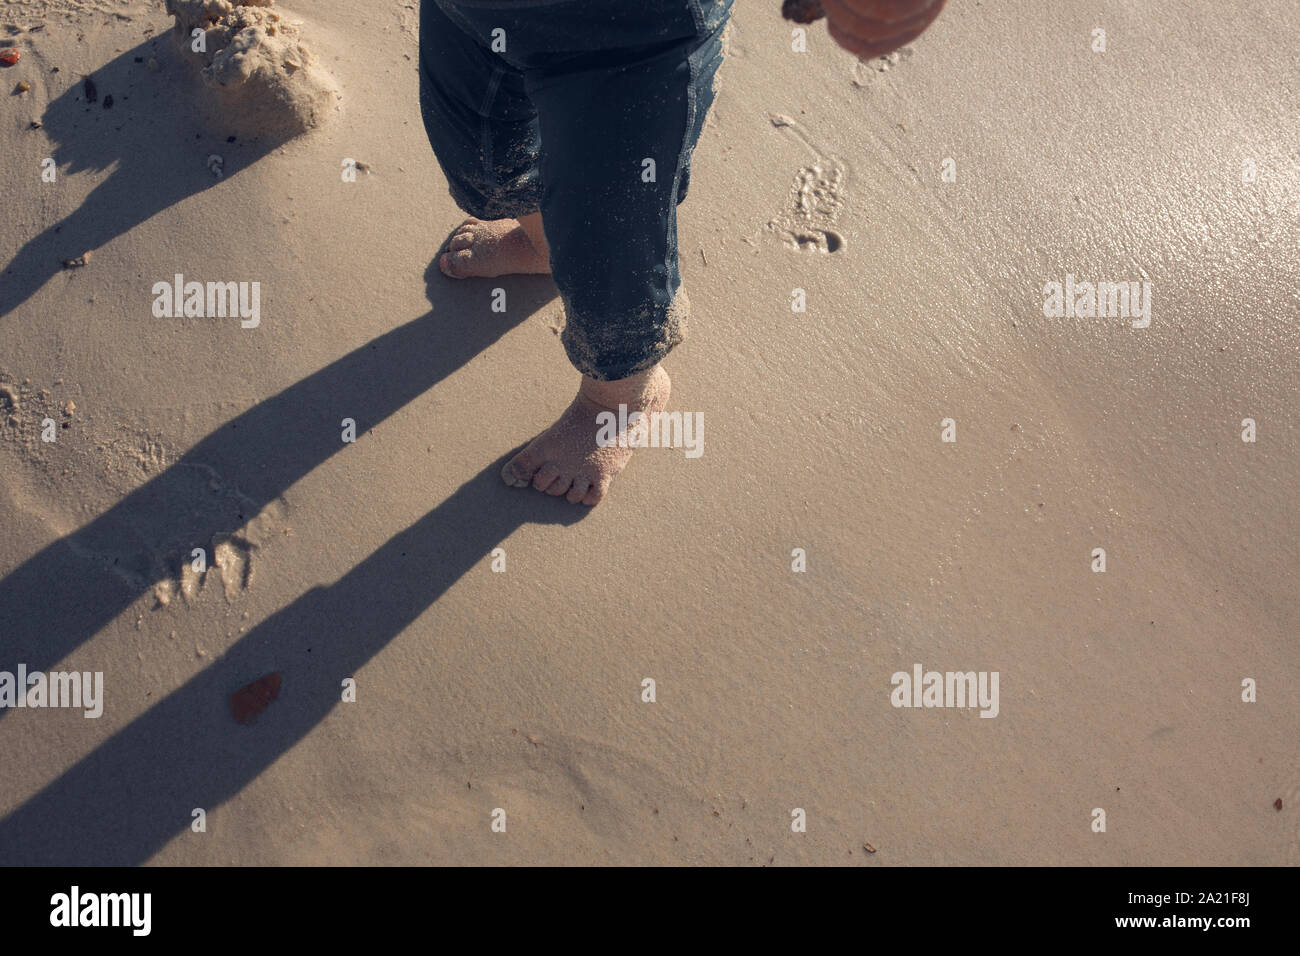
(258, 74)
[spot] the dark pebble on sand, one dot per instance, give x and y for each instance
(88, 88)
(802, 11)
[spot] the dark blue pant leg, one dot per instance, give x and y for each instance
(479, 120)
(610, 216)
(620, 90)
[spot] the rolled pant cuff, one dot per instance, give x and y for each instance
(492, 207)
(612, 348)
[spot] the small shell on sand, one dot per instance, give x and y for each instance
(9, 56)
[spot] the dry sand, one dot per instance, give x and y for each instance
(521, 690)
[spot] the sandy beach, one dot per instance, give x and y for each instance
(909, 461)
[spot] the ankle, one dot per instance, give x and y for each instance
(637, 390)
(532, 226)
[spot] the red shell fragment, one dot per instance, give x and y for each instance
(9, 56)
(251, 699)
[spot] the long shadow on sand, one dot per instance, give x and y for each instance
(64, 594)
(149, 132)
(124, 801)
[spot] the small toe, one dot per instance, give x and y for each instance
(518, 471)
(559, 486)
(578, 490)
(596, 493)
(545, 475)
(462, 240)
(457, 263)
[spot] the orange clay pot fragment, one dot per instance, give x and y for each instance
(251, 699)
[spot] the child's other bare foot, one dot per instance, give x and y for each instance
(485, 248)
(565, 459)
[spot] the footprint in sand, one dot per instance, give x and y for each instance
(233, 557)
(408, 20)
(816, 197)
(866, 72)
(231, 560)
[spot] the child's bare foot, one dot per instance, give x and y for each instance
(485, 248)
(565, 459)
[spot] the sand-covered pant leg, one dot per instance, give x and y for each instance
(481, 124)
(620, 90)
